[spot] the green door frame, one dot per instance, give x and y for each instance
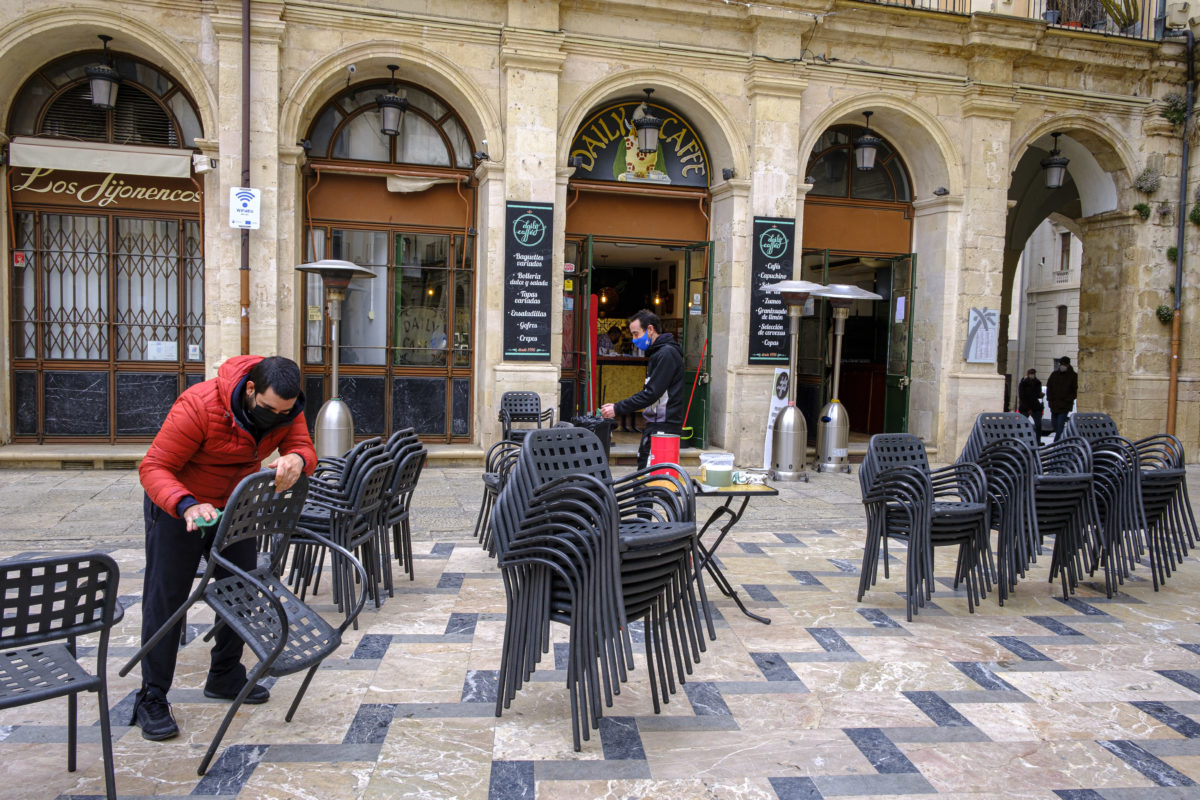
(899, 363)
(697, 373)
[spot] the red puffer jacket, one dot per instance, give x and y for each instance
(202, 451)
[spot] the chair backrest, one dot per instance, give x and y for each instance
(994, 426)
(60, 597)
(255, 509)
(1091, 425)
(555, 452)
(521, 406)
(887, 450)
(405, 477)
(400, 440)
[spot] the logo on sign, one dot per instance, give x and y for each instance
(19, 258)
(528, 230)
(244, 207)
(773, 243)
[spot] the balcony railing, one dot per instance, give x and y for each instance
(1139, 19)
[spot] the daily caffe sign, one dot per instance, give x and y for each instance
(606, 144)
(103, 191)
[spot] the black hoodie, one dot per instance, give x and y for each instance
(662, 397)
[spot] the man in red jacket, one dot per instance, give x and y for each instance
(216, 433)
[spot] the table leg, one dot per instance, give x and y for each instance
(718, 576)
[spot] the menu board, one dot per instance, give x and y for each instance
(528, 256)
(774, 249)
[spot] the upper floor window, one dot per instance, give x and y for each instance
(831, 166)
(430, 134)
(152, 109)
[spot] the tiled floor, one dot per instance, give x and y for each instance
(1084, 699)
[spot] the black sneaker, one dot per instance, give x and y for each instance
(152, 713)
(257, 696)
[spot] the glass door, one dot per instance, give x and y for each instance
(899, 363)
(577, 395)
(697, 336)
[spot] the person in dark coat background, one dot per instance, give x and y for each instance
(1062, 387)
(1029, 398)
(661, 400)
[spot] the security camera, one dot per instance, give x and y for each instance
(352, 69)
(202, 163)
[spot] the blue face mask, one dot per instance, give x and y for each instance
(642, 342)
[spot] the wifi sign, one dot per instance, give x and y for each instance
(244, 205)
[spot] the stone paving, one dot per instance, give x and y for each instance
(1085, 699)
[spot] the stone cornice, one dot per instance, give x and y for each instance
(531, 50)
(738, 187)
(938, 205)
(263, 27)
(771, 79)
(398, 25)
(988, 101)
(1000, 36)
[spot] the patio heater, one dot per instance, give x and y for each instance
(334, 427)
(789, 433)
(833, 426)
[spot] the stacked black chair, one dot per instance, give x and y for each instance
(577, 547)
(285, 634)
(1037, 492)
(523, 407)
(925, 508)
(46, 604)
(1156, 499)
(397, 504)
(501, 458)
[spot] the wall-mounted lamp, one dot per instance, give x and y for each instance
(1055, 165)
(480, 156)
(647, 126)
(866, 146)
(941, 191)
(104, 80)
(728, 173)
(391, 107)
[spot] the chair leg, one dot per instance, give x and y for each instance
(308, 676)
(106, 745)
(72, 725)
(251, 682)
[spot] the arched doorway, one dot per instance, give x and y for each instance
(107, 274)
(637, 236)
(858, 229)
(401, 204)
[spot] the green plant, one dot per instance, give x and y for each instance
(1123, 13)
(1194, 214)
(1174, 108)
(1148, 181)
(1172, 253)
(1143, 210)
(1165, 314)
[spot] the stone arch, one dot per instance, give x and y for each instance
(326, 77)
(928, 151)
(726, 145)
(1101, 159)
(23, 42)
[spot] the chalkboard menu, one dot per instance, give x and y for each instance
(774, 248)
(528, 256)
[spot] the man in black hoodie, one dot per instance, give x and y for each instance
(661, 400)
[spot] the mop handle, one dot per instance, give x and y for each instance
(695, 380)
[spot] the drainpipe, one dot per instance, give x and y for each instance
(1173, 383)
(244, 271)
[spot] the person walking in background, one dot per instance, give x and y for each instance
(661, 400)
(1029, 398)
(1062, 387)
(215, 434)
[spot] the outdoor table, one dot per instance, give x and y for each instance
(745, 492)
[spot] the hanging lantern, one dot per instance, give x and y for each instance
(1055, 165)
(104, 80)
(647, 126)
(866, 146)
(391, 108)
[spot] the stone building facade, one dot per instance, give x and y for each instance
(500, 93)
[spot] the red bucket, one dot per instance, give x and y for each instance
(664, 449)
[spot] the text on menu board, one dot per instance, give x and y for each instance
(774, 248)
(528, 251)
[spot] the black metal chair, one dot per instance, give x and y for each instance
(926, 508)
(397, 505)
(1037, 492)
(525, 407)
(285, 634)
(1157, 497)
(46, 604)
(501, 458)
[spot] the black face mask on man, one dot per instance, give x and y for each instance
(264, 418)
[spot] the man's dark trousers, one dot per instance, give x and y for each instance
(172, 556)
(651, 429)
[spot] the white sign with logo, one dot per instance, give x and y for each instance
(779, 401)
(244, 205)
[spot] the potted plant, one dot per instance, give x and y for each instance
(1143, 210)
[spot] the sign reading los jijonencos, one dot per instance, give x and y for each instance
(607, 145)
(528, 257)
(105, 191)
(774, 249)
